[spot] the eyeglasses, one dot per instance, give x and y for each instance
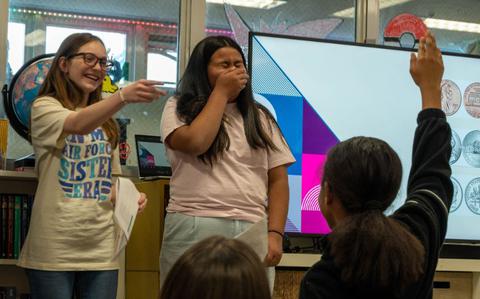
(91, 60)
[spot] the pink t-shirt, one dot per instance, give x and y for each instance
(237, 184)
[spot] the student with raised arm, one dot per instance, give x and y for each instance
(70, 244)
(370, 255)
(229, 159)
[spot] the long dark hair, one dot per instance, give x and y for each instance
(217, 268)
(60, 87)
(370, 249)
(194, 90)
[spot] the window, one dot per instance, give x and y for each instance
(316, 19)
(142, 39)
(16, 48)
(455, 24)
(115, 42)
(162, 67)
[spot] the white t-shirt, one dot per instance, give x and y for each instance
(236, 186)
(71, 227)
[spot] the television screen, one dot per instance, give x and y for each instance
(322, 92)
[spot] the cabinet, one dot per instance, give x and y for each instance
(143, 249)
(461, 275)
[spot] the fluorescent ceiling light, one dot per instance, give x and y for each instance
(452, 25)
(349, 12)
(264, 4)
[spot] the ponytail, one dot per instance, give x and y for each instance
(374, 251)
(371, 250)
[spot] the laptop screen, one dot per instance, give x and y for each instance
(152, 161)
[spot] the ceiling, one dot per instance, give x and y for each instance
(168, 10)
(293, 12)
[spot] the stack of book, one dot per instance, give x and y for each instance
(15, 211)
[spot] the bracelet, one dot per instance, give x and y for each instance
(276, 231)
(122, 97)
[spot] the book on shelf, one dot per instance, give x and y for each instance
(3, 228)
(15, 211)
(10, 231)
(8, 292)
(16, 225)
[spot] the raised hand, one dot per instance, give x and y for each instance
(426, 69)
(232, 82)
(141, 91)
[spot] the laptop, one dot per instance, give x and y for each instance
(152, 161)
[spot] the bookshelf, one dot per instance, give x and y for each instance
(25, 182)
(8, 261)
(6, 175)
(15, 182)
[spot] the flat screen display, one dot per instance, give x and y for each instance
(152, 161)
(322, 92)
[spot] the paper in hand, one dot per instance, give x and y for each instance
(256, 236)
(126, 207)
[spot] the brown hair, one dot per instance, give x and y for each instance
(217, 268)
(60, 87)
(371, 250)
(193, 92)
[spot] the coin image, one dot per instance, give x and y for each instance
(472, 196)
(451, 97)
(457, 195)
(471, 99)
(456, 147)
(471, 148)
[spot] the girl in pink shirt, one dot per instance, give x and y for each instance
(229, 158)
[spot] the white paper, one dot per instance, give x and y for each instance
(126, 207)
(256, 237)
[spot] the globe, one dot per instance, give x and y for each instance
(23, 90)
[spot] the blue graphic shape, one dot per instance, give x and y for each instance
(289, 111)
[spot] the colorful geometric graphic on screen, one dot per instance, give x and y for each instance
(146, 157)
(307, 135)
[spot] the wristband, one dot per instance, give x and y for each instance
(276, 231)
(122, 97)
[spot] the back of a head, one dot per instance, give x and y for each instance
(217, 268)
(371, 250)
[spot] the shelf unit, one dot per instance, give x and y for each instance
(25, 182)
(447, 269)
(15, 182)
(8, 261)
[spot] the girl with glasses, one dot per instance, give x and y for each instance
(91, 59)
(69, 248)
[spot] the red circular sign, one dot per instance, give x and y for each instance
(404, 23)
